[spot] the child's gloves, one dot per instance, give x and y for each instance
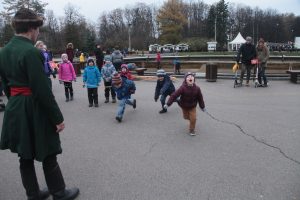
(83, 85)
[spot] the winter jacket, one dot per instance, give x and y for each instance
(164, 87)
(91, 76)
(66, 71)
(107, 72)
(126, 89)
(248, 52)
(29, 122)
(117, 57)
(263, 54)
(189, 96)
(47, 67)
(70, 53)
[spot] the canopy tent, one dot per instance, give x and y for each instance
(235, 44)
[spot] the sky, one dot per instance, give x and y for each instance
(92, 9)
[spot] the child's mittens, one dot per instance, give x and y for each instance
(203, 109)
(83, 85)
(132, 91)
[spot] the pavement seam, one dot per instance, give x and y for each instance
(253, 137)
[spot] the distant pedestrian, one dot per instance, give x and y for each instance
(176, 64)
(91, 80)
(82, 61)
(263, 57)
(188, 96)
(66, 74)
(164, 88)
(32, 121)
(124, 89)
(117, 59)
(107, 72)
(99, 56)
(70, 52)
(248, 52)
(158, 60)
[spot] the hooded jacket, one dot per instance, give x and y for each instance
(66, 72)
(91, 77)
(164, 87)
(117, 57)
(189, 96)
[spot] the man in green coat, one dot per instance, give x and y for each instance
(32, 119)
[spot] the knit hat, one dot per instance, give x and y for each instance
(91, 60)
(124, 66)
(116, 79)
(160, 73)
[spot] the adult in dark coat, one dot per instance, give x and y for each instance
(248, 52)
(70, 52)
(99, 56)
(164, 87)
(32, 119)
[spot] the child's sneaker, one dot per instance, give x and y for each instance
(67, 100)
(90, 105)
(113, 101)
(134, 103)
(119, 119)
(106, 100)
(192, 133)
(96, 105)
(163, 111)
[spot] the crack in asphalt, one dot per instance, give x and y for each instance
(253, 137)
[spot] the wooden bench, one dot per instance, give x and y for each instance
(294, 75)
(140, 71)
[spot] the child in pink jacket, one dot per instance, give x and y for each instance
(66, 74)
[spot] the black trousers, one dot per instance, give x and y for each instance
(68, 89)
(52, 172)
(109, 88)
(93, 95)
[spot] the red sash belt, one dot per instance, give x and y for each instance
(24, 91)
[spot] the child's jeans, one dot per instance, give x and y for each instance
(122, 105)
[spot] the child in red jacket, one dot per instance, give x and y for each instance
(188, 96)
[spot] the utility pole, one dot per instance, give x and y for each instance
(215, 29)
(129, 38)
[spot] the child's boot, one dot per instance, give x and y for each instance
(106, 100)
(114, 100)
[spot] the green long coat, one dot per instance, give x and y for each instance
(29, 123)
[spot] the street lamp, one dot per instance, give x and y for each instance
(129, 38)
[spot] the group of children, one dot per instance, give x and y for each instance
(116, 84)
(120, 85)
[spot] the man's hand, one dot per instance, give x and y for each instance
(60, 127)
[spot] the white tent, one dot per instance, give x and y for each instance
(235, 44)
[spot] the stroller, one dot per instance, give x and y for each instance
(237, 82)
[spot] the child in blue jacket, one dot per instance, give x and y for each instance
(91, 80)
(123, 88)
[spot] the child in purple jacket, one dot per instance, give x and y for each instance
(66, 74)
(188, 96)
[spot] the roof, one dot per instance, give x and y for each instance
(238, 39)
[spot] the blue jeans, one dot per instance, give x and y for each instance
(122, 105)
(163, 100)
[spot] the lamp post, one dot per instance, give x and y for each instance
(129, 38)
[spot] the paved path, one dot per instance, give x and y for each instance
(246, 148)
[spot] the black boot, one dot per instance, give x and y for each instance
(106, 100)
(30, 183)
(55, 181)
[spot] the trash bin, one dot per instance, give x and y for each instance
(211, 72)
(77, 68)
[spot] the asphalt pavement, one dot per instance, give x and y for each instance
(246, 148)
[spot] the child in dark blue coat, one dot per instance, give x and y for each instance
(124, 88)
(91, 80)
(164, 88)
